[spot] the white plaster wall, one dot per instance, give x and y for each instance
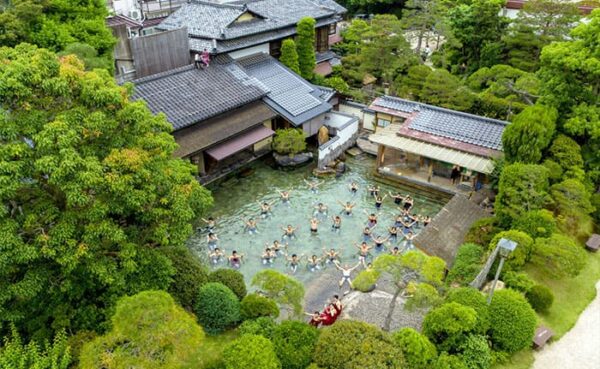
(366, 118)
(262, 48)
(343, 135)
(124, 7)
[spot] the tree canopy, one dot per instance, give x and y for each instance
(289, 55)
(285, 290)
(305, 47)
(529, 134)
(91, 192)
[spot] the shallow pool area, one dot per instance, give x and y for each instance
(237, 199)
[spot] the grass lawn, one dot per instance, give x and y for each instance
(571, 297)
(209, 353)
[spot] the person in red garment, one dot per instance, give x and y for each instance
(332, 311)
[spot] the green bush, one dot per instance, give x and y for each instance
(446, 361)
(467, 264)
(14, 354)
(520, 255)
(365, 280)
(289, 55)
(217, 308)
(250, 352)
(285, 290)
(472, 298)
(555, 171)
(536, 223)
(482, 231)
(233, 279)
(294, 343)
(289, 141)
(356, 345)
(475, 352)
(573, 206)
(540, 298)
(448, 325)
(517, 281)
(254, 306)
(513, 321)
(263, 326)
(305, 45)
(189, 276)
(558, 256)
(566, 152)
(418, 352)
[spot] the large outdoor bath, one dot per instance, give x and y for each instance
(238, 199)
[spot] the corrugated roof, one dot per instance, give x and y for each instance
(119, 20)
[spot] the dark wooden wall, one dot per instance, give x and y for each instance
(160, 52)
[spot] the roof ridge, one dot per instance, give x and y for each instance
(218, 5)
(156, 76)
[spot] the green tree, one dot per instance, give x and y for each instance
(189, 275)
(573, 206)
(529, 134)
(305, 45)
(446, 361)
(250, 352)
(513, 321)
(294, 343)
(353, 37)
(422, 17)
(467, 264)
(472, 298)
(289, 141)
(418, 352)
(522, 188)
(148, 331)
(356, 345)
(558, 256)
(521, 254)
(289, 55)
(88, 55)
(483, 230)
(448, 325)
(254, 306)
(338, 84)
(262, 326)
(567, 153)
(443, 89)
(410, 85)
(536, 223)
(217, 307)
(286, 291)
(14, 354)
(230, 278)
(92, 193)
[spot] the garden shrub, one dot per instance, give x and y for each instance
(558, 256)
(263, 326)
(285, 290)
(365, 280)
(344, 346)
(566, 152)
(573, 206)
(233, 279)
(518, 281)
(424, 295)
(289, 141)
(513, 321)
(217, 308)
(189, 276)
(555, 171)
(467, 264)
(250, 352)
(448, 325)
(483, 230)
(446, 361)
(520, 255)
(536, 223)
(475, 352)
(472, 298)
(540, 298)
(418, 352)
(254, 306)
(294, 343)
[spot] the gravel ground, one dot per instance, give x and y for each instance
(580, 347)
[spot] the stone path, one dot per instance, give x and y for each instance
(580, 347)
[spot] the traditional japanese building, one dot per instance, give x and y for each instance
(420, 142)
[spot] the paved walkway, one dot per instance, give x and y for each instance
(580, 347)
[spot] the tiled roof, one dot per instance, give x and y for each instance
(188, 95)
(326, 92)
(291, 96)
(468, 128)
(119, 20)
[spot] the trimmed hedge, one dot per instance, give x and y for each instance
(250, 352)
(217, 308)
(475, 352)
(263, 326)
(540, 297)
(513, 321)
(233, 279)
(254, 306)
(418, 351)
(294, 343)
(467, 264)
(448, 325)
(189, 276)
(472, 298)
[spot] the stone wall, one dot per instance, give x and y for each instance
(335, 153)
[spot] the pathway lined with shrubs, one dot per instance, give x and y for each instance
(578, 348)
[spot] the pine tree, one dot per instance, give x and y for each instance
(289, 55)
(306, 46)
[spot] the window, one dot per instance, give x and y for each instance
(275, 48)
(332, 28)
(382, 122)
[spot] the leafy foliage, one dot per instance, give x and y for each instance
(344, 346)
(521, 254)
(517, 281)
(443, 89)
(289, 55)
(448, 325)
(529, 134)
(365, 280)
(284, 290)
(232, 279)
(14, 354)
(149, 331)
(217, 307)
(446, 361)
(289, 141)
(263, 326)
(483, 230)
(294, 343)
(305, 41)
(418, 352)
(250, 352)
(513, 321)
(255, 306)
(572, 204)
(475, 352)
(338, 84)
(467, 264)
(92, 193)
(558, 256)
(410, 86)
(189, 275)
(536, 223)
(567, 153)
(540, 298)
(472, 298)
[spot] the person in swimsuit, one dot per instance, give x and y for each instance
(426, 220)
(315, 319)
(313, 186)
(353, 187)
(409, 241)
(347, 207)
(314, 263)
(268, 257)
(212, 240)
(235, 260)
(363, 253)
(374, 190)
(285, 196)
(371, 220)
(250, 226)
(393, 230)
(210, 224)
(398, 198)
(408, 203)
(379, 242)
(346, 273)
(331, 256)
(216, 256)
(293, 262)
(289, 232)
(379, 201)
(320, 209)
(367, 234)
(265, 209)
(276, 247)
(395, 251)
(337, 223)
(314, 226)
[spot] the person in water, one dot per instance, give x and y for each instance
(337, 224)
(353, 187)
(265, 209)
(346, 273)
(367, 232)
(379, 201)
(293, 262)
(289, 232)
(347, 207)
(374, 190)
(314, 226)
(371, 220)
(363, 253)
(331, 256)
(285, 196)
(320, 209)
(398, 198)
(393, 233)
(313, 186)
(276, 247)
(315, 319)
(408, 203)
(250, 226)
(314, 263)
(210, 224)
(216, 256)
(395, 251)
(212, 240)
(235, 260)
(409, 241)
(379, 242)
(268, 256)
